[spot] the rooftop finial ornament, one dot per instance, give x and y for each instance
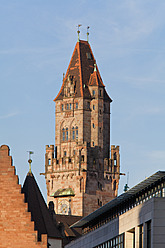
(78, 31)
(30, 161)
(95, 68)
(88, 33)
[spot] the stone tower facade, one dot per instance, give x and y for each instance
(80, 174)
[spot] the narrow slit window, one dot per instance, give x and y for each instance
(76, 132)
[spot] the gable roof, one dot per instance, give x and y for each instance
(81, 67)
(69, 232)
(43, 222)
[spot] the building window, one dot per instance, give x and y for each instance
(116, 242)
(93, 143)
(62, 107)
(64, 153)
(93, 125)
(63, 134)
(93, 107)
(70, 105)
(93, 92)
(149, 234)
(67, 106)
(73, 133)
(114, 185)
(141, 236)
(76, 132)
(89, 56)
(66, 134)
(74, 152)
(100, 92)
(76, 105)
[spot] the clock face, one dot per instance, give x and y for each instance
(63, 207)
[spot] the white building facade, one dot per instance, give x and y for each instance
(135, 219)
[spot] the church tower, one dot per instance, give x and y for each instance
(80, 174)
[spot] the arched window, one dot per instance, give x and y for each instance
(73, 133)
(63, 134)
(66, 134)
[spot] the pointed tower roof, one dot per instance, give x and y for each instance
(43, 222)
(81, 67)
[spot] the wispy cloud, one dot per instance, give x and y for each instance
(9, 115)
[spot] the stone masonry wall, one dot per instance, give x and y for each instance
(16, 227)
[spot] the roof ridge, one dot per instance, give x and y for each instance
(66, 75)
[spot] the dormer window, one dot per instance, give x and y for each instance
(89, 55)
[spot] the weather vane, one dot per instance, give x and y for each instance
(30, 160)
(78, 31)
(88, 33)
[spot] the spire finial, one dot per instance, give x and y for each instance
(30, 161)
(95, 69)
(78, 31)
(88, 33)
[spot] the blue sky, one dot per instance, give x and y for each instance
(36, 44)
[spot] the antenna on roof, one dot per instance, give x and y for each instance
(30, 160)
(78, 31)
(126, 187)
(88, 33)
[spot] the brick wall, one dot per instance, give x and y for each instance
(16, 227)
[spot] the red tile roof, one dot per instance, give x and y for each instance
(81, 67)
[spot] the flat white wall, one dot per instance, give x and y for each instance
(153, 209)
(55, 243)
